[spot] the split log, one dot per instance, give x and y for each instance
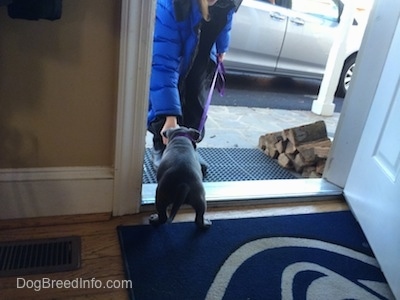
(299, 163)
(306, 133)
(290, 148)
(322, 151)
(308, 150)
(281, 146)
(284, 161)
(320, 166)
(307, 171)
(262, 140)
(303, 148)
(273, 153)
(314, 174)
(271, 140)
(307, 153)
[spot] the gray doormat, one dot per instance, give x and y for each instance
(40, 256)
(230, 164)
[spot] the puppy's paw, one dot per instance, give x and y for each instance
(154, 220)
(205, 224)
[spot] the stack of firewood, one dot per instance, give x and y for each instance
(303, 149)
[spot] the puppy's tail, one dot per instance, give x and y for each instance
(182, 192)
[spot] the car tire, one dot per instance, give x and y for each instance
(345, 76)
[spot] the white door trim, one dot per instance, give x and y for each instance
(137, 23)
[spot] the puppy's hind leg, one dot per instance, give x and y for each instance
(161, 216)
(158, 218)
(200, 208)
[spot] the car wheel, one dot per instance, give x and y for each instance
(345, 76)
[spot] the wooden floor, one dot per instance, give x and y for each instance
(101, 259)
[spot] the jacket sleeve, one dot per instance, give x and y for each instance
(223, 39)
(164, 94)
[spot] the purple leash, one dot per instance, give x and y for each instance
(220, 84)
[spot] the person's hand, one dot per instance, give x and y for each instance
(170, 122)
(221, 57)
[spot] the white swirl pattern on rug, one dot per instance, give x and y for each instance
(331, 286)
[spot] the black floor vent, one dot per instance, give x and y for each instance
(40, 256)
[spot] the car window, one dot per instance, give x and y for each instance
(266, 1)
(284, 3)
(325, 9)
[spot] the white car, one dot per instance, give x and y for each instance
(291, 38)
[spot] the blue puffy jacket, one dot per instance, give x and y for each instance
(174, 45)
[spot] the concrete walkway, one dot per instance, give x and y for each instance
(241, 127)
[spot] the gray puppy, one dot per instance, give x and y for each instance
(179, 178)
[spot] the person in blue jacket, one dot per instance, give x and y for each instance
(190, 36)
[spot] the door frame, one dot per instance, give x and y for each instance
(136, 44)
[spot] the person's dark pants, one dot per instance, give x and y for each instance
(158, 145)
(193, 92)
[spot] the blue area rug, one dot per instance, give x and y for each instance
(313, 256)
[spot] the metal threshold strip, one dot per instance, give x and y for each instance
(260, 191)
(246, 175)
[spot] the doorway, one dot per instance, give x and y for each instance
(137, 18)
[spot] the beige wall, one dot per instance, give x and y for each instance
(58, 87)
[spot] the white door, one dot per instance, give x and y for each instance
(373, 185)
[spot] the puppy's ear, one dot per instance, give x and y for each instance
(167, 133)
(195, 134)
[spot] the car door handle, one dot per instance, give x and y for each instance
(298, 21)
(277, 16)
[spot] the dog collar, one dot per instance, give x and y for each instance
(186, 135)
